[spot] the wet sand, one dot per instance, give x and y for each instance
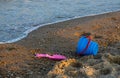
(18, 60)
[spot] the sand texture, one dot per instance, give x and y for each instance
(17, 59)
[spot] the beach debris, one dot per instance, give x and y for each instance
(86, 46)
(53, 57)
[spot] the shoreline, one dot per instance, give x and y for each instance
(18, 60)
(79, 21)
(42, 25)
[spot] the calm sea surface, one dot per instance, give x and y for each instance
(19, 17)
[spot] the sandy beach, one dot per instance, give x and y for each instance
(17, 60)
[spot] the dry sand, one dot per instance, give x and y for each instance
(17, 59)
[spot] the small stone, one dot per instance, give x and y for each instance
(17, 77)
(118, 27)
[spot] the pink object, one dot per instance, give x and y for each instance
(53, 57)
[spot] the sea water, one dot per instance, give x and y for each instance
(20, 17)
